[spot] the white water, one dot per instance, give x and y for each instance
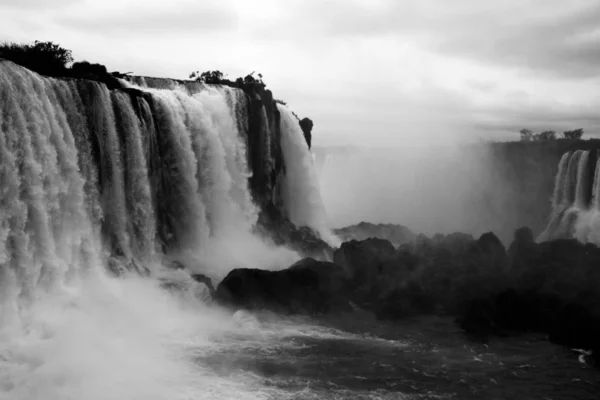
(575, 203)
(91, 180)
(301, 193)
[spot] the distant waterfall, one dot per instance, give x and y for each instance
(582, 188)
(575, 202)
(559, 182)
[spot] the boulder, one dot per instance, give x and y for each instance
(406, 301)
(307, 287)
(490, 252)
(362, 259)
(551, 288)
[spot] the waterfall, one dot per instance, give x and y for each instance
(575, 202)
(559, 181)
(582, 186)
(571, 178)
(95, 180)
(301, 193)
(159, 168)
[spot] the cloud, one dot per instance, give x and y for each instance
(36, 4)
(549, 36)
(137, 19)
(561, 44)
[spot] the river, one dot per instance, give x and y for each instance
(356, 357)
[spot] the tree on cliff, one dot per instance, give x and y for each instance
(526, 135)
(85, 68)
(212, 77)
(251, 80)
(46, 58)
(546, 135)
(575, 134)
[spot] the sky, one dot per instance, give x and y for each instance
(376, 73)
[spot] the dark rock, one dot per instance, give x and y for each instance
(307, 125)
(397, 234)
(362, 259)
(307, 287)
(479, 317)
(281, 231)
(490, 251)
(408, 301)
(201, 278)
(551, 288)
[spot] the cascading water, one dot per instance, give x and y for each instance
(94, 180)
(575, 209)
(301, 193)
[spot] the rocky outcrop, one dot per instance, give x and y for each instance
(307, 125)
(550, 288)
(362, 259)
(396, 234)
(307, 287)
(272, 226)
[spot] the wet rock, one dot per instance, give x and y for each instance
(273, 226)
(478, 317)
(550, 288)
(408, 301)
(490, 252)
(307, 287)
(201, 278)
(362, 259)
(307, 125)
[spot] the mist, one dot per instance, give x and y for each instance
(429, 189)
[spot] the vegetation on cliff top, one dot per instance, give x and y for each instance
(50, 59)
(527, 135)
(46, 58)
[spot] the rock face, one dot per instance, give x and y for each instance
(281, 231)
(307, 125)
(307, 287)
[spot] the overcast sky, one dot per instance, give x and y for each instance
(368, 72)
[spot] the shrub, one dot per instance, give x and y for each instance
(575, 134)
(211, 77)
(46, 58)
(84, 68)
